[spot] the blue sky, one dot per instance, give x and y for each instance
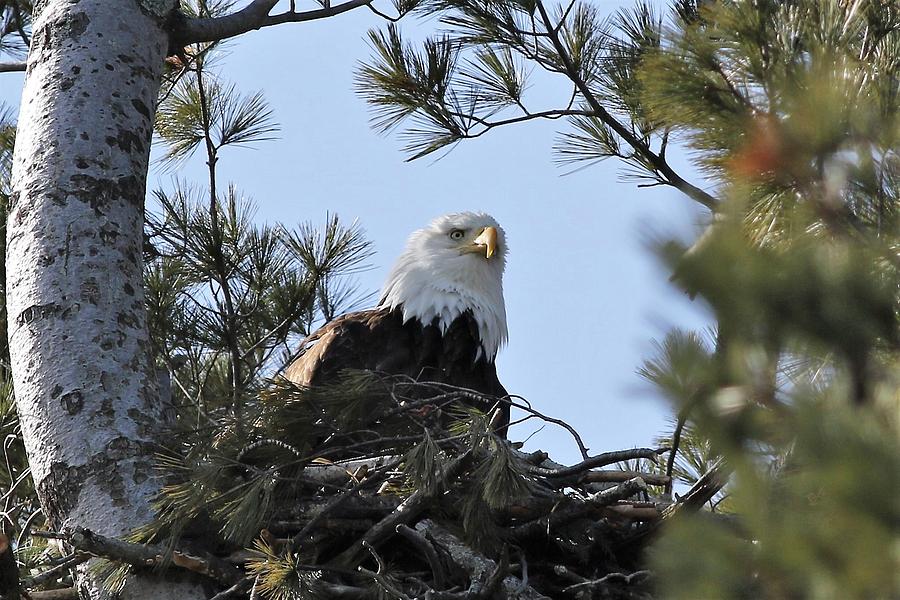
(585, 297)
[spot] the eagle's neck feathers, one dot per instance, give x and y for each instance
(439, 289)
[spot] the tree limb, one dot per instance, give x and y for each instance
(153, 556)
(478, 566)
(60, 594)
(406, 513)
(424, 546)
(13, 66)
(54, 573)
(601, 460)
(253, 16)
(700, 493)
(618, 476)
(676, 442)
(579, 509)
(624, 577)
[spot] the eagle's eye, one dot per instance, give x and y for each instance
(457, 234)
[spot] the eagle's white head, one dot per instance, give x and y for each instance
(453, 265)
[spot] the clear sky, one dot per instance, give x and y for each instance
(585, 297)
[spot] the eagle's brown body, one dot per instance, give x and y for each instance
(378, 340)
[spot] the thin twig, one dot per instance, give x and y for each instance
(581, 447)
(625, 577)
(384, 16)
(676, 442)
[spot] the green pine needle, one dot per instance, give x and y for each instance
(423, 465)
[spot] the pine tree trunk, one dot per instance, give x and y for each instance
(84, 383)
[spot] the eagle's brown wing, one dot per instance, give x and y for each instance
(378, 340)
(369, 339)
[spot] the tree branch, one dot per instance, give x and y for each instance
(547, 114)
(618, 476)
(676, 442)
(625, 577)
(407, 512)
(423, 545)
(56, 572)
(478, 566)
(13, 66)
(672, 178)
(20, 24)
(601, 460)
(341, 499)
(253, 16)
(148, 555)
(703, 489)
(60, 594)
(579, 509)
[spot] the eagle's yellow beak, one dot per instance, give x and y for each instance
(487, 239)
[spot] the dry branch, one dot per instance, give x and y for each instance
(618, 476)
(146, 555)
(253, 16)
(478, 566)
(13, 66)
(601, 460)
(60, 594)
(579, 508)
(55, 572)
(407, 512)
(702, 491)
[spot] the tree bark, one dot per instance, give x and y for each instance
(84, 383)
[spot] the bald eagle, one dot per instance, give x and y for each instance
(441, 317)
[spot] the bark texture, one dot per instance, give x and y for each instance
(86, 391)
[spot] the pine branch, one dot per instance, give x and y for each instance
(672, 178)
(20, 23)
(221, 275)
